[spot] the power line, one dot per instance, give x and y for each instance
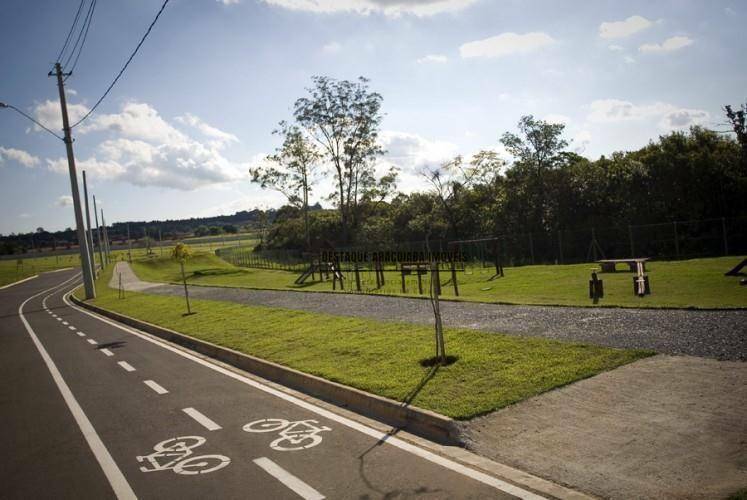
(10, 106)
(70, 33)
(83, 29)
(123, 67)
(87, 26)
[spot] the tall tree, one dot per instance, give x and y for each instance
(344, 118)
(537, 148)
(737, 120)
(292, 170)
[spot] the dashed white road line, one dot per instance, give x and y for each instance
(299, 487)
(65, 323)
(72, 327)
(58, 318)
(119, 484)
(127, 366)
(160, 390)
(107, 352)
(91, 341)
(80, 334)
(202, 419)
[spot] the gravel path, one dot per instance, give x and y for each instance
(712, 334)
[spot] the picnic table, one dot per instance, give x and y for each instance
(609, 265)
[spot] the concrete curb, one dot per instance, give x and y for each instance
(418, 421)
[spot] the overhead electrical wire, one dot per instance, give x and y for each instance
(72, 28)
(10, 106)
(114, 82)
(82, 34)
(87, 26)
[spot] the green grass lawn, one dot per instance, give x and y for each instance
(11, 270)
(492, 370)
(697, 283)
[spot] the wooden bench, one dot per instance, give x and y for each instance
(609, 265)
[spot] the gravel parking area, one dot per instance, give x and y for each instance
(713, 334)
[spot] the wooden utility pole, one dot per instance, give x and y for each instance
(85, 256)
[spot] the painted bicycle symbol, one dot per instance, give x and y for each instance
(176, 454)
(294, 436)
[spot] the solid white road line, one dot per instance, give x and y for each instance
(80, 334)
(72, 327)
(107, 352)
(299, 487)
(91, 341)
(202, 419)
(18, 282)
(457, 467)
(116, 479)
(127, 366)
(161, 390)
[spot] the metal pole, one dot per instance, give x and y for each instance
(106, 237)
(82, 240)
(98, 233)
(160, 241)
(91, 247)
(726, 241)
(129, 244)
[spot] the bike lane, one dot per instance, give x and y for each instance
(132, 417)
(44, 453)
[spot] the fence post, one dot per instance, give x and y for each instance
(632, 242)
(726, 241)
(676, 241)
(531, 247)
(560, 246)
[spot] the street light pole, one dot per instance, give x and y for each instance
(85, 256)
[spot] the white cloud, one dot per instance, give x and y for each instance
(392, 8)
(616, 48)
(506, 44)
(24, 215)
(629, 59)
(622, 29)
(581, 141)
(145, 150)
(669, 116)
(228, 2)
(64, 201)
(332, 48)
(219, 137)
(48, 114)
(433, 59)
(556, 118)
(412, 151)
(26, 159)
(669, 45)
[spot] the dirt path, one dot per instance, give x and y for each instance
(713, 334)
(663, 427)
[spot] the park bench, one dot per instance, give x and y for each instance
(609, 265)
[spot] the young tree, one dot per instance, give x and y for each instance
(343, 117)
(181, 253)
(291, 170)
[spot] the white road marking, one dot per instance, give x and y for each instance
(159, 390)
(65, 323)
(202, 419)
(91, 341)
(19, 282)
(72, 327)
(116, 479)
(107, 352)
(299, 487)
(127, 366)
(487, 479)
(58, 318)
(80, 334)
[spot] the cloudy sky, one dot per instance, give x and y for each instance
(196, 108)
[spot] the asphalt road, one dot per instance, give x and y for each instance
(91, 409)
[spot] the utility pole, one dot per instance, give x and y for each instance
(85, 256)
(91, 247)
(98, 233)
(129, 244)
(106, 237)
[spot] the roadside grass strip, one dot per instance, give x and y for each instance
(491, 371)
(695, 283)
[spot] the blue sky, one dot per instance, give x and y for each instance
(196, 108)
